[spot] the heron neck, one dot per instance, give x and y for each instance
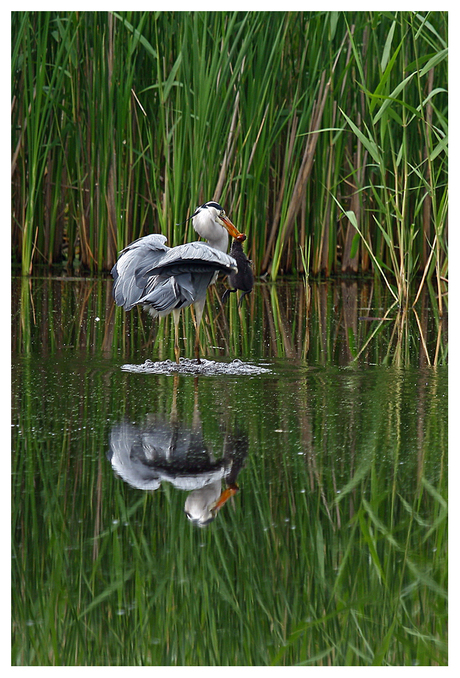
(214, 233)
(220, 243)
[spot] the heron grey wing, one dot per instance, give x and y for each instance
(200, 282)
(160, 295)
(195, 255)
(154, 241)
(163, 293)
(141, 254)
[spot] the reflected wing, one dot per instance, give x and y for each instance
(128, 460)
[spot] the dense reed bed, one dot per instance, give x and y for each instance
(324, 135)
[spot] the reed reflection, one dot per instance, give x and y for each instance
(170, 450)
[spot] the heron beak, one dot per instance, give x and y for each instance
(232, 229)
(225, 496)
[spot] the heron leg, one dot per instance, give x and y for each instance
(176, 317)
(197, 345)
(199, 308)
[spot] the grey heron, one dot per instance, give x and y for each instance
(243, 278)
(163, 450)
(164, 280)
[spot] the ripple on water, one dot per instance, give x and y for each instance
(187, 366)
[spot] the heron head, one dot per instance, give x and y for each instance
(212, 213)
(201, 506)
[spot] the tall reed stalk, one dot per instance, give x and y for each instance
(321, 127)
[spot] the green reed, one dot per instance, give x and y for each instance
(318, 323)
(399, 119)
(320, 127)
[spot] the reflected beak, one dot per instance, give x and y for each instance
(224, 497)
(232, 229)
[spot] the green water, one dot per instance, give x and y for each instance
(332, 552)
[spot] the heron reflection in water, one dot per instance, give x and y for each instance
(168, 450)
(164, 280)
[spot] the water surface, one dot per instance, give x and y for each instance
(331, 545)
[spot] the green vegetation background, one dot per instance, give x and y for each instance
(323, 134)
